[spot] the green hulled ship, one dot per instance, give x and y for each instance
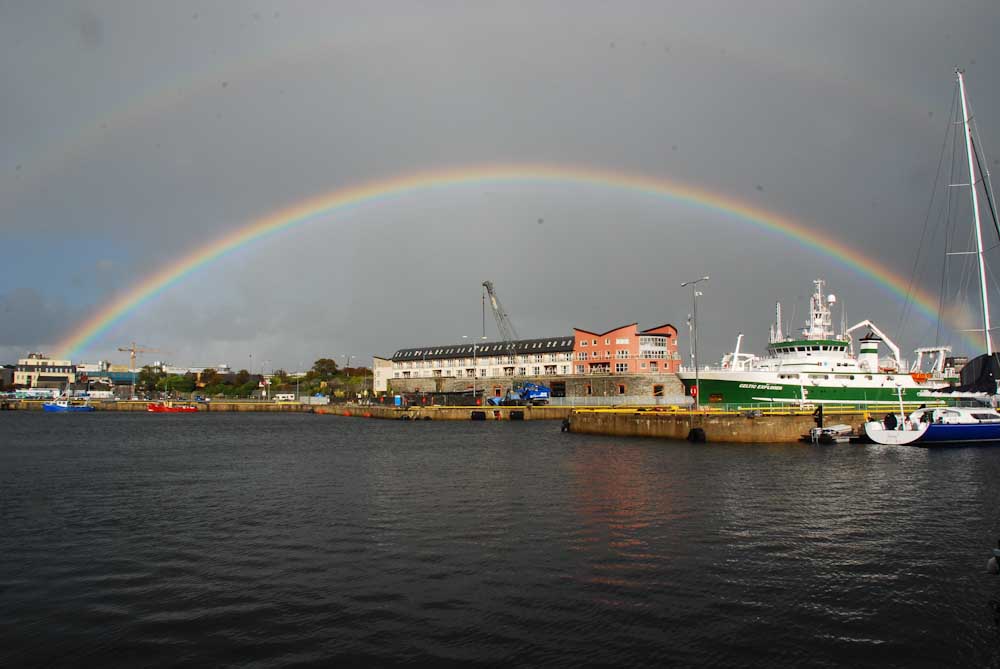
(819, 367)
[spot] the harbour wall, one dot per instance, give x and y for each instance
(736, 427)
(777, 426)
(450, 413)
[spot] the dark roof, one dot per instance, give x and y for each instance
(464, 350)
(659, 327)
(601, 334)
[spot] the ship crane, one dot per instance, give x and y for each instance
(504, 324)
(885, 339)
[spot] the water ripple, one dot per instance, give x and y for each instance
(241, 540)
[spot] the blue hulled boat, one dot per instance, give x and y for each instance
(66, 406)
(951, 426)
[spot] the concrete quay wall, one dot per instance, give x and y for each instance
(449, 413)
(729, 427)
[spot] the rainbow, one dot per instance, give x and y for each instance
(329, 204)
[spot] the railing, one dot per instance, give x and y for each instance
(751, 410)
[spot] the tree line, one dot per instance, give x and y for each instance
(325, 378)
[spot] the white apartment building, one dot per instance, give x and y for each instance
(526, 357)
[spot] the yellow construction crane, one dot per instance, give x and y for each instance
(132, 350)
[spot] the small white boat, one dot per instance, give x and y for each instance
(833, 434)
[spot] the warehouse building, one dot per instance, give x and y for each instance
(623, 361)
(527, 357)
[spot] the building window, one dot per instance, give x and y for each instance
(583, 342)
(536, 370)
(621, 388)
(521, 371)
(583, 355)
(588, 390)
(642, 365)
(621, 367)
(621, 340)
(657, 390)
(579, 369)
(607, 342)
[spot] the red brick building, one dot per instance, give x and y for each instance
(626, 350)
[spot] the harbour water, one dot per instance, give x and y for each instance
(266, 539)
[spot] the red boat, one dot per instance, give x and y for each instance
(160, 407)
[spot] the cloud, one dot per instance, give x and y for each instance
(151, 132)
(30, 320)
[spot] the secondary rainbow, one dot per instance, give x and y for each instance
(330, 204)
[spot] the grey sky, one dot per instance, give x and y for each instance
(134, 133)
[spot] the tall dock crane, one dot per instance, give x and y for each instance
(132, 351)
(504, 324)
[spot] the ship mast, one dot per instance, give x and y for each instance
(975, 208)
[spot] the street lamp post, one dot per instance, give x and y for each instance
(267, 380)
(347, 369)
(694, 338)
(475, 367)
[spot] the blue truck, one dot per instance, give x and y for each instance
(524, 394)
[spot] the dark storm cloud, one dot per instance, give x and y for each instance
(29, 318)
(158, 128)
(88, 24)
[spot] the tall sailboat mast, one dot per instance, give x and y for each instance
(975, 208)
